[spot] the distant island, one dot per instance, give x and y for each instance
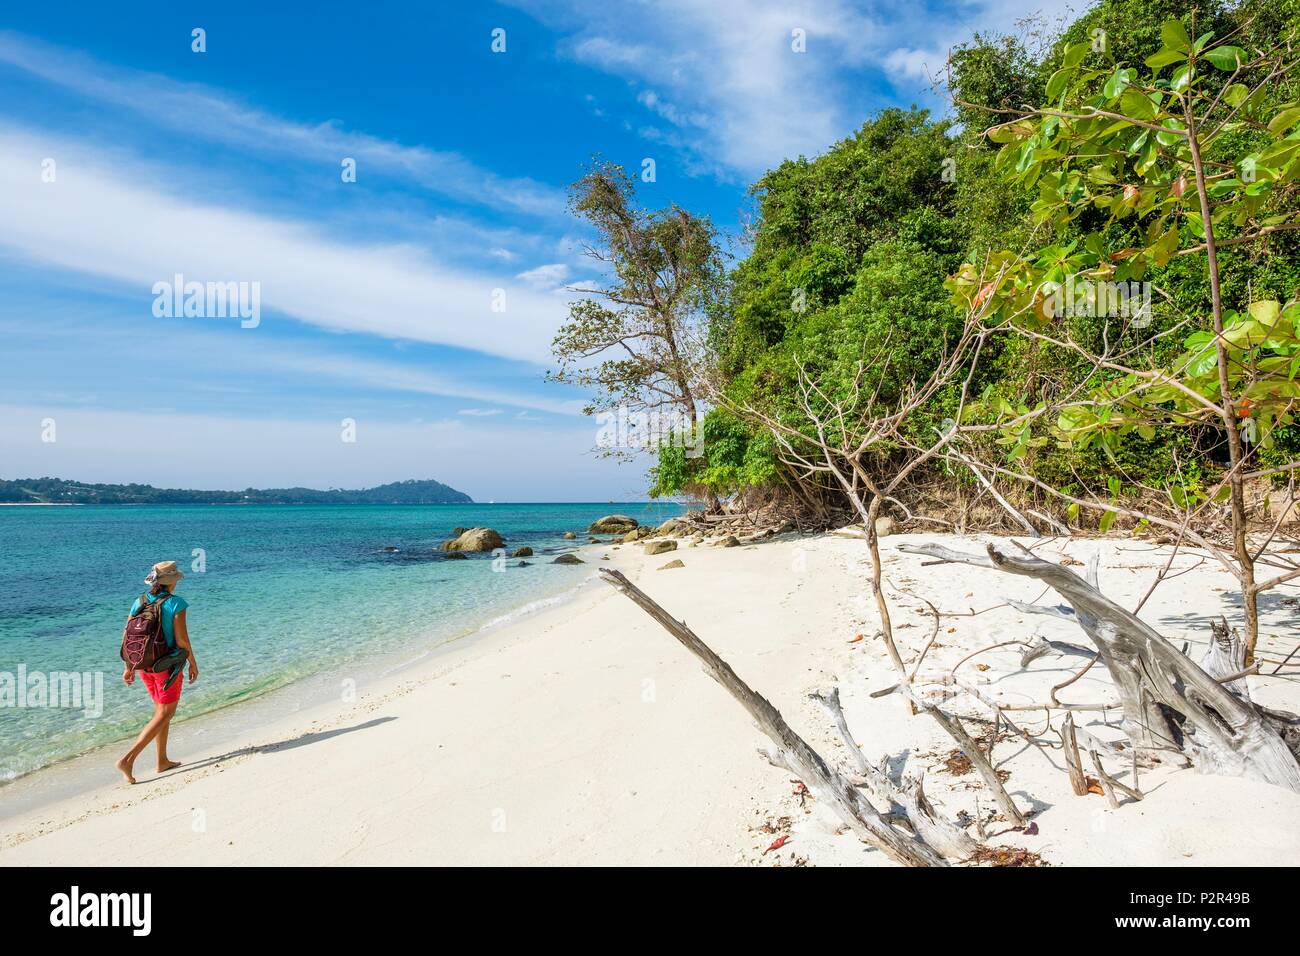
(58, 491)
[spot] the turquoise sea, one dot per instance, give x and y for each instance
(285, 592)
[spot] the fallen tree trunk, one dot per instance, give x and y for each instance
(1167, 700)
(793, 752)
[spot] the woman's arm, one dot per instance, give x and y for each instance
(182, 635)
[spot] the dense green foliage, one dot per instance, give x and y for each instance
(852, 249)
(59, 491)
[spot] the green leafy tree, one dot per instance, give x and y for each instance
(636, 342)
(1136, 165)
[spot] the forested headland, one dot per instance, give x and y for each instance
(1067, 306)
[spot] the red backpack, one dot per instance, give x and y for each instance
(143, 640)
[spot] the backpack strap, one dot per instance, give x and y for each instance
(158, 599)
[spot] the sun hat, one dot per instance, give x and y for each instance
(164, 571)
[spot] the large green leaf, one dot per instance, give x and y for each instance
(1056, 85)
(1284, 120)
(1162, 59)
(1266, 312)
(1075, 53)
(1135, 103)
(1176, 134)
(1175, 37)
(1227, 58)
(1235, 94)
(1118, 82)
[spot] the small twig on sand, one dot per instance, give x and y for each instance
(1110, 784)
(1070, 745)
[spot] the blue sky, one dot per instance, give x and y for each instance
(377, 295)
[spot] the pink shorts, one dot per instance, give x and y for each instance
(154, 683)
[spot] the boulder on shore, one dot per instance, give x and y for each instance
(660, 546)
(730, 541)
(671, 526)
(568, 559)
(475, 539)
(524, 552)
(613, 524)
(636, 534)
(674, 563)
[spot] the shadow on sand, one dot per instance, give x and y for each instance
(277, 747)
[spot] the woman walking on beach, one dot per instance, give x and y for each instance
(162, 584)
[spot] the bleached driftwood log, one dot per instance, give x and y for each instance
(1226, 656)
(793, 752)
(908, 795)
(1168, 701)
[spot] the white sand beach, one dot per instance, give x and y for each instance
(584, 734)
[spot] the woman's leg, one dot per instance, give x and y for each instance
(161, 740)
(162, 715)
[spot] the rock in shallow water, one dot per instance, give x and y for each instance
(568, 559)
(475, 539)
(613, 524)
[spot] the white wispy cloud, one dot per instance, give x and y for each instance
(549, 276)
(727, 87)
(392, 376)
(921, 55)
(202, 111)
(723, 76)
(112, 220)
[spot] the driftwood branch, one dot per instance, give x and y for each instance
(1168, 701)
(793, 751)
(1070, 746)
(946, 837)
(1109, 784)
(952, 726)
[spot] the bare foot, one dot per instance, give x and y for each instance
(125, 766)
(168, 765)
